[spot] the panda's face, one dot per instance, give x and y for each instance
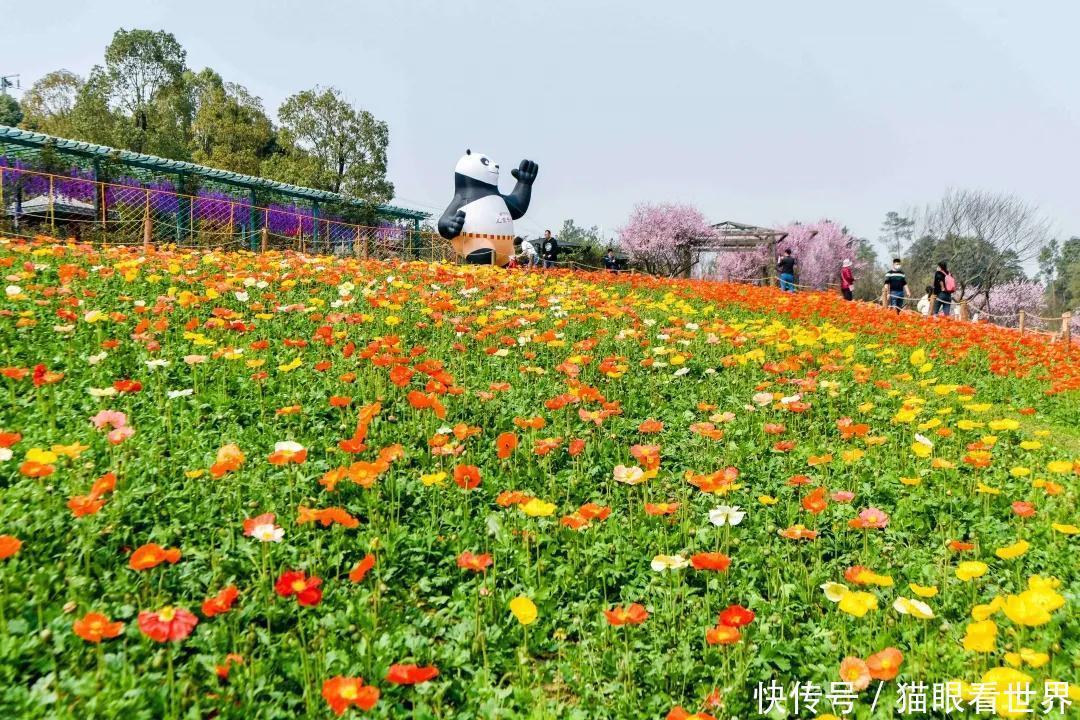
(478, 167)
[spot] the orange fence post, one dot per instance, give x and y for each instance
(148, 228)
(1066, 331)
(964, 314)
(265, 236)
(1023, 321)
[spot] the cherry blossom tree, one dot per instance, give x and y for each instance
(819, 249)
(661, 237)
(1002, 305)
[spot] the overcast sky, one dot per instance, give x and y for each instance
(757, 112)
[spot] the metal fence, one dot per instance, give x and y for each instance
(38, 203)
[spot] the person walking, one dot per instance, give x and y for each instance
(527, 251)
(944, 287)
(549, 250)
(785, 266)
(896, 285)
(610, 263)
(925, 301)
(847, 280)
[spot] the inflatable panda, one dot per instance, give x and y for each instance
(479, 221)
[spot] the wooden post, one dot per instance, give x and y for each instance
(265, 237)
(148, 225)
(884, 297)
(964, 314)
(1066, 333)
(1023, 321)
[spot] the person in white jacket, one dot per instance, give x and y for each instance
(926, 301)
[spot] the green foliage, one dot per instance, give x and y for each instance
(10, 112)
(589, 247)
(896, 232)
(341, 148)
(975, 263)
(144, 98)
(230, 129)
(49, 103)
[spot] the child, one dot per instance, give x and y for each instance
(925, 300)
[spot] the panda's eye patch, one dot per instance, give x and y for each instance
(484, 161)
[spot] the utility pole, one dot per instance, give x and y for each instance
(8, 81)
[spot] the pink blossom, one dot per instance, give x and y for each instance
(112, 418)
(819, 249)
(1008, 299)
(871, 517)
(661, 237)
(843, 496)
(121, 434)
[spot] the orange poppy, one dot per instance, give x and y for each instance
(411, 674)
(476, 563)
(885, 665)
(722, 635)
(341, 692)
(362, 568)
(798, 532)
(220, 603)
(467, 477)
(661, 508)
(815, 501)
(633, 614)
(151, 555)
(505, 444)
(94, 627)
(651, 426)
(83, 505)
(717, 561)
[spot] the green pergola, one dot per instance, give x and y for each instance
(29, 146)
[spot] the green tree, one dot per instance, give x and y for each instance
(588, 245)
(1067, 285)
(896, 231)
(229, 129)
(1049, 257)
(49, 103)
(328, 144)
(10, 112)
(144, 72)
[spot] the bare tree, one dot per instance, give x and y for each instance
(985, 235)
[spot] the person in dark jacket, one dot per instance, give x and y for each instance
(847, 280)
(785, 266)
(610, 263)
(549, 250)
(944, 285)
(896, 285)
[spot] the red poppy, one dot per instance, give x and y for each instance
(476, 563)
(576, 447)
(678, 713)
(775, 428)
(717, 561)
(220, 603)
(341, 692)
(736, 616)
(127, 386)
(167, 624)
(295, 582)
(633, 614)
(362, 568)
(467, 477)
(961, 546)
(411, 674)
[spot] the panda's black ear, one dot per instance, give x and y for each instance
(468, 151)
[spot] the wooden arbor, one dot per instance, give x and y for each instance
(730, 236)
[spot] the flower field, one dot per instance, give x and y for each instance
(278, 486)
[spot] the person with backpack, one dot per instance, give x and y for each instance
(847, 280)
(896, 285)
(944, 287)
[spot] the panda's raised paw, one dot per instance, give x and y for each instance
(525, 172)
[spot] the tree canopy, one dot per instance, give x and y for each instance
(144, 97)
